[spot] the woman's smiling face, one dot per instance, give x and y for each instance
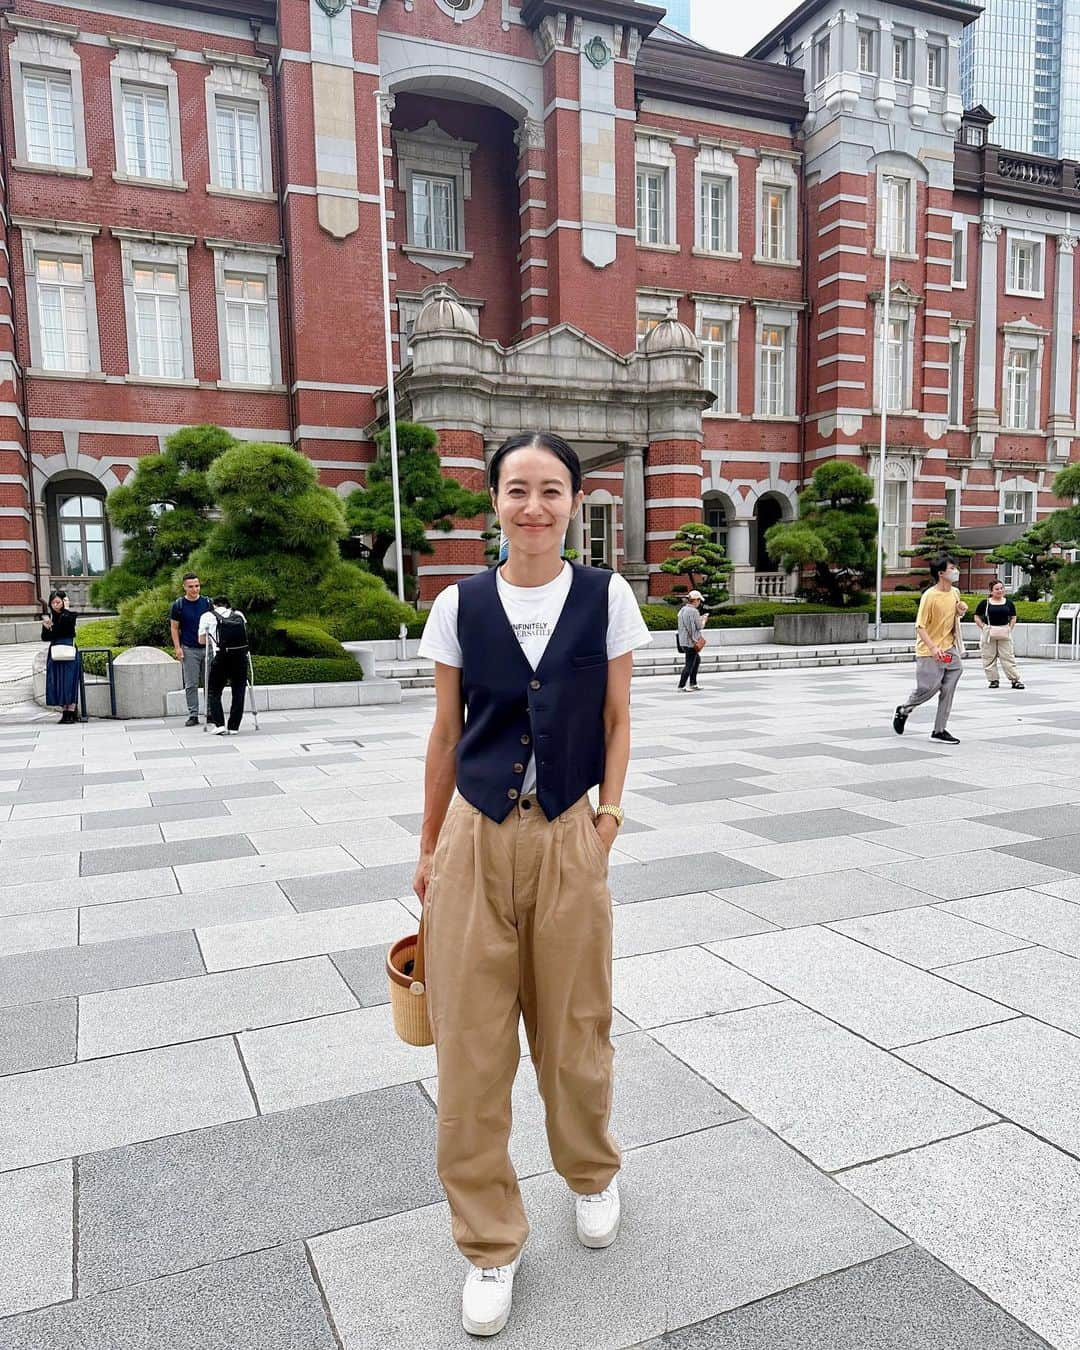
(535, 500)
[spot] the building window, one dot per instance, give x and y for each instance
(896, 365)
(601, 550)
(895, 231)
(147, 141)
(1017, 507)
(901, 62)
(821, 59)
(774, 233)
(956, 379)
(65, 338)
(777, 234)
(1018, 400)
(959, 256)
(716, 215)
(868, 64)
(952, 506)
(975, 136)
(50, 119)
(652, 206)
(1025, 266)
(247, 328)
(159, 339)
(83, 536)
(895, 521)
(239, 146)
(716, 345)
(935, 67)
(434, 213)
(717, 521)
(652, 310)
(773, 359)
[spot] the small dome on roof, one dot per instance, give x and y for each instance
(670, 335)
(443, 312)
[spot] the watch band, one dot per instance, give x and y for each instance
(616, 812)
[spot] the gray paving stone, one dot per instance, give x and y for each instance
(903, 1301)
(680, 921)
(890, 755)
(257, 1183)
(795, 825)
(928, 839)
(37, 1036)
(317, 1061)
(356, 887)
(193, 751)
(1043, 824)
(927, 937)
(656, 1097)
(711, 790)
(171, 913)
(48, 792)
(118, 1021)
(36, 932)
(35, 976)
(36, 897)
(883, 999)
(364, 970)
(245, 869)
(828, 1093)
(112, 776)
(140, 857)
(688, 875)
(806, 856)
(251, 1303)
(228, 946)
(35, 1238)
(899, 789)
(17, 853)
(672, 986)
(960, 874)
(999, 1208)
(1035, 981)
(780, 1223)
(823, 896)
(1021, 1069)
(80, 1108)
(303, 762)
(718, 772)
(1029, 916)
(1060, 851)
(155, 815)
(228, 792)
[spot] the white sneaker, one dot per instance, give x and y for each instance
(487, 1297)
(598, 1216)
(223, 731)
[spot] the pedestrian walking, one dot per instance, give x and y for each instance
(184, 619)
(533, 661)
(224, 630)
(690, 640)
(63, 667)
(939, 650)
(996, 618)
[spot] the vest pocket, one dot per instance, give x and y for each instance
(583, 662)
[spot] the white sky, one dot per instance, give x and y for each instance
(735, 25)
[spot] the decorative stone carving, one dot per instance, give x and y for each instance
(991, 233)
(530, 135)
(442, 312)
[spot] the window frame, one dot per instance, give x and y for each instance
(1022, 337)
(952, 513)
(655, 156)
(939, 50)
(137, 249)
(873, 37)
(607, 515)
(1017, 489)
(907, 198)
(75, 491)
(430, 152)
(652, 309)
(957, 357)
(724, 314)
(43, 47)
(143, 66)
(37, 242)
(239, 82)
(1024, 239)
(253, 261)
(959, 231)
(1017, 414)
(902, 44)
(777, 172)
(821, 58)
(771, 317)
(896, 534)
(902, 310)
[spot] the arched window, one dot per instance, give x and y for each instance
(82, 533)
(717, 521)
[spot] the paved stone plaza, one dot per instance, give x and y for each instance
(848, 1035)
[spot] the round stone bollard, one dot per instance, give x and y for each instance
(144, 676)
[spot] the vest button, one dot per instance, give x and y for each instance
(519, 768)
(525, 740)
(513, 794)
(534, 684)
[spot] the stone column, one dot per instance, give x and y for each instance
(1061, 420)
(635, 568)
(533, 206)
(984, 417)
(743, 581)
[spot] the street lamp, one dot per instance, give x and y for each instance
(384, 102)
(885, 217)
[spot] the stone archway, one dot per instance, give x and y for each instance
(768, 511)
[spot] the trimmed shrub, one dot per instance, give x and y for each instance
(304, 670)
(302, 637)
(660, 618)
(416, 625)
(355, 606)
(144, 619)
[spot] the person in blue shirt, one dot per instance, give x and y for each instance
(184, 619)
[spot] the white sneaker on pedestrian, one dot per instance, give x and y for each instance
(598, 1216)
(223, 731)
(487, 1298)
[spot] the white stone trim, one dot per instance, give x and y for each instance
(48, 47)
(777, 169)
(71, 241)
(237, 80)
(168, 251)
(774, 314)
(1038, 241)
(141, 64)
(653, 152)
(230, 257)
(430, 150)
(716, 162)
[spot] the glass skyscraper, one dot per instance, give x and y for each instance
(1021, 59)
(678, 14)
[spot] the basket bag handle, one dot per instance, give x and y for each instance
(418, 959)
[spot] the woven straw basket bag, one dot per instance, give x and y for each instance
(408, 992)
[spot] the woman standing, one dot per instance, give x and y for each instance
(64, 664)
(532, 680)
(996, 619)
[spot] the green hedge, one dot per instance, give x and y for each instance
(303, 637)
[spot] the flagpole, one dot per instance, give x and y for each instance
(884, 386)
(384, 103)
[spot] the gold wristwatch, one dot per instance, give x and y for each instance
(615, 811)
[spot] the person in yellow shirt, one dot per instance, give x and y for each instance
(939, 650)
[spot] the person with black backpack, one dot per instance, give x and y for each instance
(225, 630)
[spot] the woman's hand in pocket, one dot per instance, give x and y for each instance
(607, 830)
(422, 877)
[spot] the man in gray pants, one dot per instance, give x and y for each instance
(939, 650)
(184, 619)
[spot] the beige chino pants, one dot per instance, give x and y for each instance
(995, 650)
(518, 923)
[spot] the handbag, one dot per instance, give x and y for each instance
(408, 991)
(1000, 630)
(62, 651)
(699, 644)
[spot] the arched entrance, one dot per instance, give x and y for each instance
(768, 512)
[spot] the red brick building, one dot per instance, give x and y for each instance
(671, 256)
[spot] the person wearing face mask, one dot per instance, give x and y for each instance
(939, 650)
(224, 629)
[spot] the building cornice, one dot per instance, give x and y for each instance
(1014, 176)
(260, 12)
(626, 13)
(708, 79)
(959, 10)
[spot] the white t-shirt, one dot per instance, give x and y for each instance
(533, 612)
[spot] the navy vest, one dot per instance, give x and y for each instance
(511, 711)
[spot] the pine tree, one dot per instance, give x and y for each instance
(938, 541)
(836, 533)
(693, 555)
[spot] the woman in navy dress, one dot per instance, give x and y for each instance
(61, 677)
